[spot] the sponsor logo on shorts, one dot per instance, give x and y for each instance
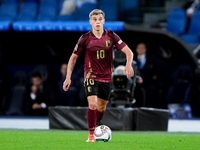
(89, 89)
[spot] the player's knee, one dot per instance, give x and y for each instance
(92, 106)
(92, 102)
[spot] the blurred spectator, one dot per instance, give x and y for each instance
(191, 10)
(66, 98)
(4, 77)
(180, 90)
(151, 69)
(43, 70)
(4, 81)
(63, 73)
(69, 6)
(139, 92)
(79, 3)
(40, 96)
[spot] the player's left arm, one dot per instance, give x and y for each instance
(128, 71)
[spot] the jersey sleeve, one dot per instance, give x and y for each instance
(118, 42)
(79, 46)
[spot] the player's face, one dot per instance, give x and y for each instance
(63, 69)
(141, 49)
(97, 22)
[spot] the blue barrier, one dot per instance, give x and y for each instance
(64, 26)
(4, 25)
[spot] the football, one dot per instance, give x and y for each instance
(102, 133)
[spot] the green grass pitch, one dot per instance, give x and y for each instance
(75, 140)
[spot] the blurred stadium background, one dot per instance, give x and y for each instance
(35, 33)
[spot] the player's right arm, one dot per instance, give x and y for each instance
(71, 64)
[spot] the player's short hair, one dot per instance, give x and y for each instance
(96, 12)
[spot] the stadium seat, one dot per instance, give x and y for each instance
(106, 1)
(85, 9)
(8, 11)
(194, 27)
(46, 13)
(48, 2)
(130, 11)
(111, 11)
(8, 1)
(176, 22)
(129, 4)
(32, 1)
(27, 12)
(65, 18)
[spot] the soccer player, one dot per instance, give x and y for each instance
(97, 46)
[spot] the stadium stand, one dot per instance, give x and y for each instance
(8, 11)
(110, 9)
(24, 12)
(127, 4)
(145, 13)
(47, 12)
(85, 9)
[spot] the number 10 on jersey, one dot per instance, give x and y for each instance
(100, 54)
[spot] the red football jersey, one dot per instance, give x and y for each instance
(98, 54)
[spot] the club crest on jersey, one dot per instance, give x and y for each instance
(107, 43)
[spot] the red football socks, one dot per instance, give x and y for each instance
(91, 120)
(99, 116)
